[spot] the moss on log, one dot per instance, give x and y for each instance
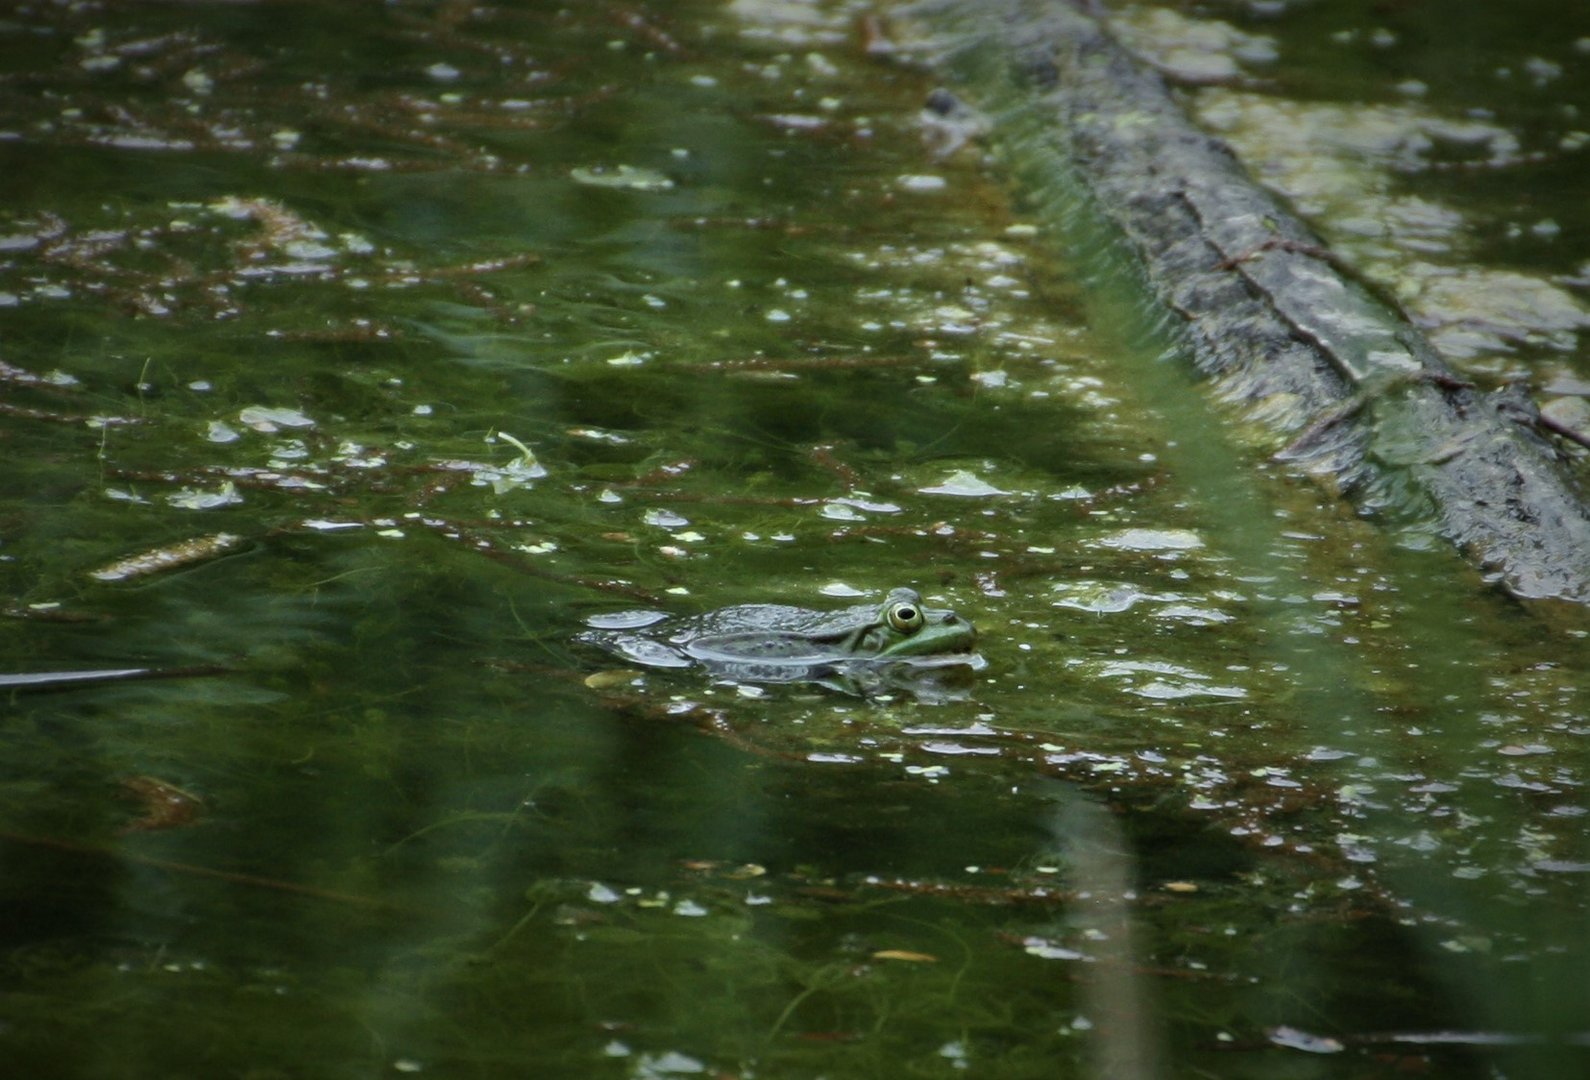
(1354, 393)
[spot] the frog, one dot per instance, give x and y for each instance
(857, 649)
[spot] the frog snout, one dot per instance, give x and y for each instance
(954, 620)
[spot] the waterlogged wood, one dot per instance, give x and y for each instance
(171, 557)
(1353, 388)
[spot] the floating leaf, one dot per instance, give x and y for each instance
(1044, 949)
(1295, 1039)
(601, 894)
(906, 956)
(628, 177)
(262, 418)
(671, 1063)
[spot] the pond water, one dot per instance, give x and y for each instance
(355, 358)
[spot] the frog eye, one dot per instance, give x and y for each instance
(906, 618)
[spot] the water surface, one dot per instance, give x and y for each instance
(466, 325)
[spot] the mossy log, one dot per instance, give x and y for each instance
(1353, 391)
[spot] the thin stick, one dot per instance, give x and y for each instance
(252, 880)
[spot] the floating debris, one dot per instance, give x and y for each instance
(628, 177)
(197, 499)
(1152, 540)
(842, 589)
(665, 519)
(1044, 949)
(10, 373)
(1296, 1039)
(905, 956)
(52, 611)
(1103, 597)
(164, 805)
(268, 420)
(964, 484)
(518, 473)
(186, 553)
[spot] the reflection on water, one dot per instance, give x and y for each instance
(465, 328)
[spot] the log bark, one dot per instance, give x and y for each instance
(1354, 390)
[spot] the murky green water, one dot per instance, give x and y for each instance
(466, 323)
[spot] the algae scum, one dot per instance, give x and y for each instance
(355, 358)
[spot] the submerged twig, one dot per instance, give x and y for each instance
(69, 680)
(74, 419)
(1558, 428)
(233, 877)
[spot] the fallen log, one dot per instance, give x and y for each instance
(1352, 390)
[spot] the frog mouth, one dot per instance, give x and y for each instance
(966, 656)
